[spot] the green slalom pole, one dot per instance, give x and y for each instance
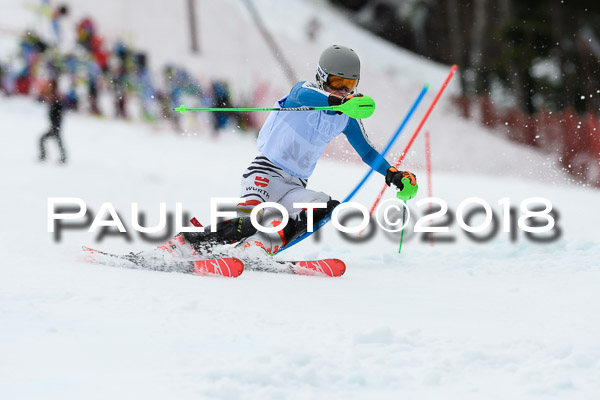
(403, 222)
(408, 192)
(357, 108)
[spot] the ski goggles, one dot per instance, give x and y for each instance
(337, 83)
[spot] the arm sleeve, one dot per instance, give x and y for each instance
(357, 137)
(306, 94)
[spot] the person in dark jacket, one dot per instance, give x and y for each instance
(56, 115)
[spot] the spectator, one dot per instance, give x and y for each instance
(57, 14)
(31, 48)
(144, 86)
(87, 37)
(120, 80)
(3, 88)
(94, 74)
(56, 113)
(72, 99)
(221, 99)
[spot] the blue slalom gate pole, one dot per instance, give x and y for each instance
(362, 182)
(391, 142)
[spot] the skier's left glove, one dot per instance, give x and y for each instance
(394, 176)
(335, 100)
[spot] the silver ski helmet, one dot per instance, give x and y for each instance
(338, 61)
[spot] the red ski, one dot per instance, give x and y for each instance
(225, 266)
(230, 266)
(326, 267)
(330, 267)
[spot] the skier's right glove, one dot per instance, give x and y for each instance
(335, 100)
(394, 176)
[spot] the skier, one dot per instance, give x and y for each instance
(56, 114)
(290, 144)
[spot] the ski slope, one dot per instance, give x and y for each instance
(494, 320)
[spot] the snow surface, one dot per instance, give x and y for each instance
(492, 320)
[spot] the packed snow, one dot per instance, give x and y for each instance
(506, 318)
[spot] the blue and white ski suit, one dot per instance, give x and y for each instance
(291, 143)
(294, 141)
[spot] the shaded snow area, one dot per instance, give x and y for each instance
(504, 318)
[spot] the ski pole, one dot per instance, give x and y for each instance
(403, 222)
(408, 191)
(414, 136)
(357, 108)
(327, 218)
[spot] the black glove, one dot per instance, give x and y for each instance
(394, 176)
(335, 100)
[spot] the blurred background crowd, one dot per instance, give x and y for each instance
(99, 69)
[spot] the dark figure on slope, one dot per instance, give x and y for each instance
(56, 104)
